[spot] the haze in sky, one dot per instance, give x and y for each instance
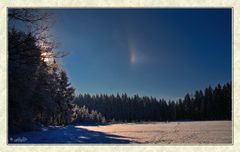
(164, 53)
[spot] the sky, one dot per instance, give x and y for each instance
(164, 53)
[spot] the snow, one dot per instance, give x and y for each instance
(68, 134)
(206, 132)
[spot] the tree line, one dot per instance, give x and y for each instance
(210, 104)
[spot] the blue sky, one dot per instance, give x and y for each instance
(164, 53)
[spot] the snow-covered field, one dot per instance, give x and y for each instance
(205, 132)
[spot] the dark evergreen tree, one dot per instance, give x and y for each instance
(38, 90)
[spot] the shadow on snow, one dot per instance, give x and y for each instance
(90, 124)
(69, 134)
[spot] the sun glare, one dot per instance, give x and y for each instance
(47, 57)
